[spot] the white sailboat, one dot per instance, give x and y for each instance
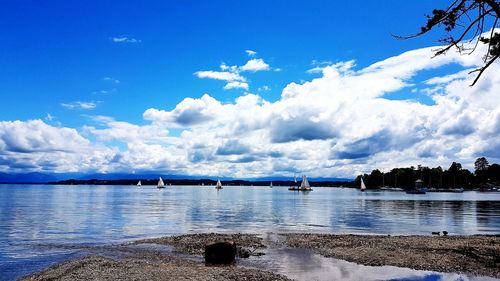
(160, 183)
(139, 183)
(304, 185)
(363, 186)
(218, 185)
(271, 185)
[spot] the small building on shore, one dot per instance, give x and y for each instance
(419, 184)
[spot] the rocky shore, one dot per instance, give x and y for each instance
(194, 244)
(476, 255)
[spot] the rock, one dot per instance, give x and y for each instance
(445, 233)
(436, 233)
(222, 252)
(243, 253)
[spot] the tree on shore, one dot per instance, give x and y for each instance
(454, 177)
(481, 167)
(465, 19)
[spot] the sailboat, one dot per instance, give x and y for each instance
(304, 185)
(363, 186)
(271, 185)
(160, 184)
(139, 183)
(218, 185)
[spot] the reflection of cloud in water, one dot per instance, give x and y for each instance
(300, 264)
(31, 214)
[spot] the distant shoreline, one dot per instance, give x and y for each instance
(208, 182)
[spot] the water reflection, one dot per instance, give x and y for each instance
(31, 214)
(301, 264)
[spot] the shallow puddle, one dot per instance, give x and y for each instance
(302, 264)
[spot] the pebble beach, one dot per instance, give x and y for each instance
(474, 255)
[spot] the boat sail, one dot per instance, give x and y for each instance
(218, 185)
(304, 185)
(363, 186)
(271, 185)
(160, 183)
(139, 183)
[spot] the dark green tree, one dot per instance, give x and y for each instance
(454, 172)
(493, 174)
(463, 20)
(481, 165)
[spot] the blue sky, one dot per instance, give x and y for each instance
(59, 51)
(74, 64)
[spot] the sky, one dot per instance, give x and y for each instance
(237, 89)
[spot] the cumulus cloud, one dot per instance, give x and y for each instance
(232, 73)
(232, 147)
(189, 112)
(255, 65)
(80, 105)
(338, 124)
(35, 145)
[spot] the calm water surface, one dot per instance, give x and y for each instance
(33, 216)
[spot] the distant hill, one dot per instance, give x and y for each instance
(54, 177)
(26, 178)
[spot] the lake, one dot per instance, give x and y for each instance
(35, 216)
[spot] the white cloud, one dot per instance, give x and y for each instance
(34, 146)
(125, 39)
(220, 75)
(255, 65)
(189, 112)
(232, 73)
(316, 69)
(80, 105)
(236, 85)
(338, 124)
(251, 53)
(112, 80)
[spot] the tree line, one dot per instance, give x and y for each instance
(484, 176)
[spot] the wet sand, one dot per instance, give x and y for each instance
(476, 255)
